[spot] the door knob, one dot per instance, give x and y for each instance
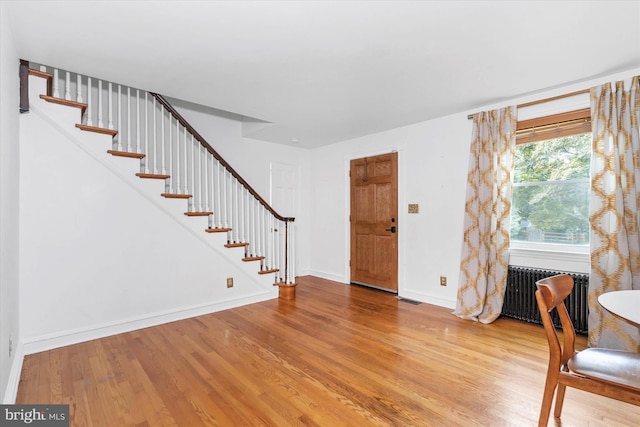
(392, 229)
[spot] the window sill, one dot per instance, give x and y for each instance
(573, 260)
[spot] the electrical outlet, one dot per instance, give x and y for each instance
(443, 281)
(229, 282)
(10, 345)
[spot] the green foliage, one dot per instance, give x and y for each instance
(550, 200)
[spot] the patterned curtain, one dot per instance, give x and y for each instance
(615, 198)
(485, 249)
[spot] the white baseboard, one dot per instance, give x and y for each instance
(429, 299)
(328, 276)
(69, 337)
(11, 392)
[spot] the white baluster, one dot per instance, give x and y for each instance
(67, 87)
(56, 84)
(146, 132)
(155, 137)
(247, 216)
(138, 148)
(162, 162)
(100, 122)
(129, 120)
(179, 167)
(120, 126)
(197, 203)
(218, 195)
(110, 102)
(253, 227)
(79, 88)
(207, 179)
(89, 107)
(224, 200)
(170, 158)
(236, 208)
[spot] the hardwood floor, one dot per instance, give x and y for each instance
(337, 355)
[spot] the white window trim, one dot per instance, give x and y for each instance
(550, 256)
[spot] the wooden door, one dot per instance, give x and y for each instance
(374, 221)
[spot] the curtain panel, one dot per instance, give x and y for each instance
(485, 249)
(615, 195)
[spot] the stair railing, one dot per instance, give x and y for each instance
(169, 148)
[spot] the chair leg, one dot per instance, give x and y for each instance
(547, 400)
(559, 400)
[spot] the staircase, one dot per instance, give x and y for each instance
(144, 126)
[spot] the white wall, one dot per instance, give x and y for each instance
(433, 161)
(9, 212)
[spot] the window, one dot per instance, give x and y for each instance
(550, 199)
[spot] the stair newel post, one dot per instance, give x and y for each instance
(89, 109)
(56, 84)
(110, 106)
(287, 267)
(291, 253)
(277, 254)
(120, 127)
(79, 88)
(67, 86)
(100, 122)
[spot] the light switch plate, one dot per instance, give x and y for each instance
(413, 208)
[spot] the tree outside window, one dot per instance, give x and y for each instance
(550, 200)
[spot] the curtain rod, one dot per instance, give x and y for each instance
(542, 101)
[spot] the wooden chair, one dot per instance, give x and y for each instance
(608, 372)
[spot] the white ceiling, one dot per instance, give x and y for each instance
(326, 71)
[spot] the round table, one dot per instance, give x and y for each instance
(624, 304)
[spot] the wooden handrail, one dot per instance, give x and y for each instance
(217, 156)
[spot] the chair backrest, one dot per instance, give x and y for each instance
(551, 294)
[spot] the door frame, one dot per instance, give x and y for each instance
(402, 215)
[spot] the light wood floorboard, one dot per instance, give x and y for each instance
(337, 355)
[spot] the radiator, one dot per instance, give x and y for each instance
(520, 299)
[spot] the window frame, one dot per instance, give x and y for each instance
(551, 255)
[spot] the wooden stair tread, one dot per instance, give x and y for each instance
(198, 213)
(217, 230)
(66, 102)
(176, 196)
(38, 73)
(273, 270)
(253, 258)
(235, 245)
(96, 129)
(126, 154)
(153, 176)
